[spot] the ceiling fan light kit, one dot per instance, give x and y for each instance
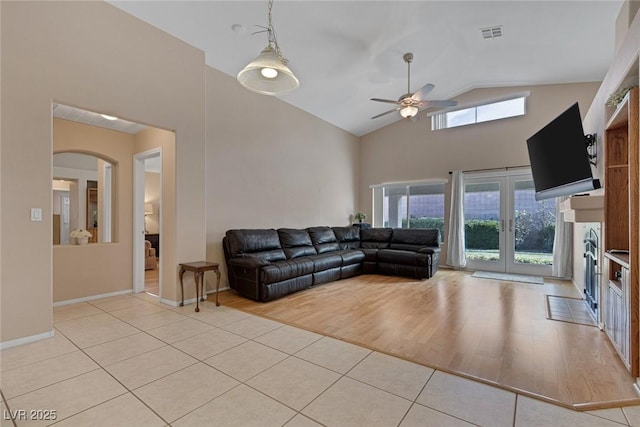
(268, 74)
(410, 104)
(408, 111)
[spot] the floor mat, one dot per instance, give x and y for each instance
(509, 277)
(567, 309)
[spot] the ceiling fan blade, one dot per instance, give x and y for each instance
(438, 104)
(385, 113)
(422, 92)
(390, 101)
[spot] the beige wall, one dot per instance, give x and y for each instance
(152, 195)
(83, 271)
(408, 151)
(271, 165)
(146, 140)
(70, 52)
(627, 13)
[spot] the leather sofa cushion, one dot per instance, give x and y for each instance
(392, 256)
(351, 256)
(326, 276)
(370, 255)
(325, 261)
(415, 237)
(323, 239)
(262, 243)
(413, 271)
(372, 238)
(406, 247)
(348, 237)
(296, 243)
(287, 269)
(273, 291)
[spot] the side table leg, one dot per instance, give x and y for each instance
(217, 287)
(181, 286)
(202, 298)
(196, 277)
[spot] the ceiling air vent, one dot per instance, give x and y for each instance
(492, 32)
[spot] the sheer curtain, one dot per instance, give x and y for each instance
(562, 245)
(455, 234)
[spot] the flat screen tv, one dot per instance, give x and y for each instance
(560, 163)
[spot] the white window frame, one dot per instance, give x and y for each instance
(439, 118)
(378, 196)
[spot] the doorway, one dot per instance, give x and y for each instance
(506, 229)
(147, 222)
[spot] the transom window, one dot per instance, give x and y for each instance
(480, 113)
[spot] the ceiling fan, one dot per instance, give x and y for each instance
(410, 104)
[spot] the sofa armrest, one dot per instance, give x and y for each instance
(246, 271)
(248, 262)
(435, 258)
(429, 250)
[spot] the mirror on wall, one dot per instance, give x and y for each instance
(82, 199)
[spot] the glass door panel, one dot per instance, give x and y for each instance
(531, 230)
(506, 229)
(484, 226)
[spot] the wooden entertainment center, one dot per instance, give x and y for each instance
(622, 231)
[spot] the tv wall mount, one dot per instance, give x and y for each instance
(591, 141)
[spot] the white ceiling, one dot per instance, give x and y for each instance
(67, 112)
(345, 52)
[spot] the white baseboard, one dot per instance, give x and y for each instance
(187, 301)
(192, 300)
(127, 291)
(25, 340)
(169, 302)
(221, 289)
(92, 297)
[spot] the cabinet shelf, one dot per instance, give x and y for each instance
(622, 259)
(622, 230)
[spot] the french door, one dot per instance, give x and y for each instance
(506, 229)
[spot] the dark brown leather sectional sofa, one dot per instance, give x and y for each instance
(265, 264)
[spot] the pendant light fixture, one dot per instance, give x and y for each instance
(268, 74)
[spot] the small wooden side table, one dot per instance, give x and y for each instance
(198, 269)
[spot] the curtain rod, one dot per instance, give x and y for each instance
(506, 168)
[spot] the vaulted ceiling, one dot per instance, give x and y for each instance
(346, 52)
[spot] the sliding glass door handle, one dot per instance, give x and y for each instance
(502, 225)
(511, 225)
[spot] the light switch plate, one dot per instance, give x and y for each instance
(36, 214)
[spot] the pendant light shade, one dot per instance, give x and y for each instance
(268, 74)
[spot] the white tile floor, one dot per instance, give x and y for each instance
(130, 361)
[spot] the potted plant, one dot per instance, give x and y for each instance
(616, 97)
(80, 237)
(360, 217)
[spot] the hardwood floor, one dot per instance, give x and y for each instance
(496, 332)
(152, 281)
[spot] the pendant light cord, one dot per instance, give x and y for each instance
(273, 41)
